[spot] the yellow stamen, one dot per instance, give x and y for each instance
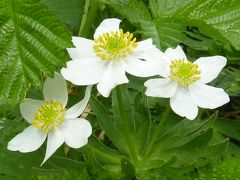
(49, 116)
(114, 45)
(184, 72)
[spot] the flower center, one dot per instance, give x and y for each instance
(184, 73)
(114, 45)
(49, 116)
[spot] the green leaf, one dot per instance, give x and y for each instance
(228, 127)
(222, 16)
(134, 10)
(165, 7)
(106, 123)
(228, 169)
(127, 167)
(69, 11)
(142, 118)
(101, 151)
(122, 110)
(183, 132)
(32, 41)
(165, 32)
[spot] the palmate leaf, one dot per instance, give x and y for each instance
(32, 41)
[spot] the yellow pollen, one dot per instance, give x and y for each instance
(184, 72)
(114, 45)
(49, 116)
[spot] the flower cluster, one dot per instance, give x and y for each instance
(105, 61)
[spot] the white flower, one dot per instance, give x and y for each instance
(106, 59)
(184, 83)
(49, 119)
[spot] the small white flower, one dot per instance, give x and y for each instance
(106, 59)
(184, 83)
(49, 119)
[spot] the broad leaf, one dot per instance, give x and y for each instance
(32, 42)
(69, 11)
(134, 10)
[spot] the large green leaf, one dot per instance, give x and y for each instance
(69, 11)
(32, 41)
(165, 32)
(134, 10)
(222, 16)
(165, 7)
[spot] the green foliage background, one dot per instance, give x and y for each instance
(134, 137)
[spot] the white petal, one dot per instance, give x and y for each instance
(141, 68)
(207, 96)
(158, 58)
(107, 25)
(183, 104)
(210, 67)
(27, 141)
(175, 54)
(142, 48)
(84, 48)
(76, 132)
(55, 140)
(78, 108)
(114, 75)
(29, 107)
(55, 89)
(161, 87)
(85, 71)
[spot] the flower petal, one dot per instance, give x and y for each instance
(210, 67)
(183, 104)
(207, 96)
(114, 75)
(142, 48)
(85, 71)
(175, 54)
(55, 140)
(141, 68)
(155, 63)
(78, 108)
(27, 141)
(76, 132)
(107, 25)
(55, 89)
(29, 107)
(161, 87)
(84, 48)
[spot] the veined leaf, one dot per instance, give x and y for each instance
(165, 7)
(134, 10)
(165, 32)
(32, 41)
(222, 15)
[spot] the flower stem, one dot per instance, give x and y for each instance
(84, 18)
(156, 132)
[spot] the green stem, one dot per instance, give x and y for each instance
(84, 18)
(156, 132)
